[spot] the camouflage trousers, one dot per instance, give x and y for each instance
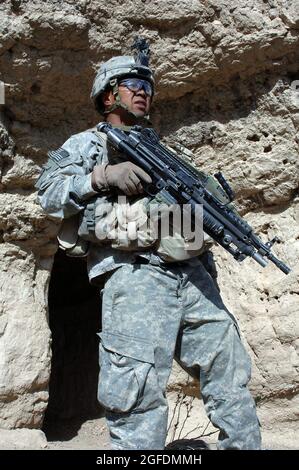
(150, 315)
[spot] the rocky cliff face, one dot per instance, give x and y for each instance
(226, 76)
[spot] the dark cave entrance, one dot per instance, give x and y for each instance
(74, 316)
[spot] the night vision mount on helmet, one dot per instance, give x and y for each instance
(120, 67)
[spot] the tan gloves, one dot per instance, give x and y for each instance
(126, 176)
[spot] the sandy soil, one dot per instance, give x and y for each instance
(93, 434)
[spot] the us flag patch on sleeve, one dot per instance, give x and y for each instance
(58, 155)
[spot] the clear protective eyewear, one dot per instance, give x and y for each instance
(136, 84)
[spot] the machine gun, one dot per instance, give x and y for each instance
(179, 182)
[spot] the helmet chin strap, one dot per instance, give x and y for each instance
(119, 104)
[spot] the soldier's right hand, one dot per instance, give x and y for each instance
(126, 176)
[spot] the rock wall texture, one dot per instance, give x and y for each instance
(226, 89)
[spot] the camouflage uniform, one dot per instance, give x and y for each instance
(151, 312)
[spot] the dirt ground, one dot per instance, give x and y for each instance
(93, 434)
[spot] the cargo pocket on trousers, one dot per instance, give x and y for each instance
(125, 363)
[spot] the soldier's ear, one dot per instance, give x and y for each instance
(108, 98)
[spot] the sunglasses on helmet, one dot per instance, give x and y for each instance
(136, 84)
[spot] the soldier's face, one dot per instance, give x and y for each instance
(137, 101)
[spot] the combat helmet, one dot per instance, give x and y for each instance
(121, 66)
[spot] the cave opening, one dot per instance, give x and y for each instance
(74, 318)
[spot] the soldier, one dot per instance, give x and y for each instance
(152, 310)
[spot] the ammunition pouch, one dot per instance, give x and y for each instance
(69, 240)
(122, 225)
